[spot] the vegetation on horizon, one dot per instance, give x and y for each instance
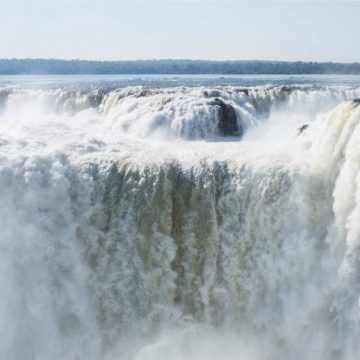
(56, 66)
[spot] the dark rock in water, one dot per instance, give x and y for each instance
(245, 91)
(144, 92)
(228, 125)
(302, 128)
(357, 100)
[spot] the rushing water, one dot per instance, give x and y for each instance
(130, 229)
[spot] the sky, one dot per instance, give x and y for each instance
(216, 30)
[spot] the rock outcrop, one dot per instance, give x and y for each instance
(228, 125)
(302, 128)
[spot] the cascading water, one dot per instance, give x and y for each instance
(130, 229)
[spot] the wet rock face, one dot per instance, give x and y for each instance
(96, 97)
(4, 94)
(228, 125)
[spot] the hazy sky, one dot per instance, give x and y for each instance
(181, 29)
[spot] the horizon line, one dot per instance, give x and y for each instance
(180, 59)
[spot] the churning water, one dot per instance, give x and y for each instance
(130, 229)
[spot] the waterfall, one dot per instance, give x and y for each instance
(130, 229)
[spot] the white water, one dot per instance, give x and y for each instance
(131, 230)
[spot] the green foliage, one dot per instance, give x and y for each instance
(55, 66)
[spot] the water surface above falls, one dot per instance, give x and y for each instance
(85, 82)
(132, 229)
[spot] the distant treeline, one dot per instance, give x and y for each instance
(55, 66)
